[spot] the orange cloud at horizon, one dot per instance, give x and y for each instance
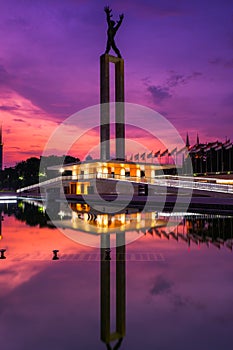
(26, 128)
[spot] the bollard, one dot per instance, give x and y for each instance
(2, 251)
(55, 257)
(107, 254)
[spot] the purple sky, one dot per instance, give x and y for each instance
(178, 61)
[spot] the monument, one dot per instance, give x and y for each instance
(101, 176)
(112, 29)
(118, 61)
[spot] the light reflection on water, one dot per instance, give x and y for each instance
(178, 291)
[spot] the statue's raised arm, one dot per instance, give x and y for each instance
(108, 13)
(120, 21)
(112, 29)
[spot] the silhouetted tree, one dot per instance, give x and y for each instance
(28, 172)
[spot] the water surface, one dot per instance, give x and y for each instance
(178, 293)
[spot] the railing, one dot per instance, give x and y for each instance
(84, 177)
(47, 182)
(160, 180)
(203, 186)
(198, 183)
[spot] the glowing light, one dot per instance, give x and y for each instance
(42, 174)
(85, 217)
(61, 214)
(122, 218)
(105, 220)
(99, 220)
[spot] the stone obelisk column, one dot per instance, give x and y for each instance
(104, 108)
(120, 111)
(105, 269)
(105, 60)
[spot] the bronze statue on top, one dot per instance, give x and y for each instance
(112, 29)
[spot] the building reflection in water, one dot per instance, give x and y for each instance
(192, 228)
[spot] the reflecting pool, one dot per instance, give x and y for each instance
(171, 287)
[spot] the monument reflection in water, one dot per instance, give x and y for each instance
(196, 230)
